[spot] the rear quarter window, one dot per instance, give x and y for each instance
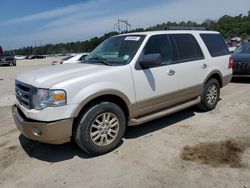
(215, 44)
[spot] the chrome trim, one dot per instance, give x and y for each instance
(23, 94)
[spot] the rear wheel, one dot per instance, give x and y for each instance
(100, 128)
(210, 95)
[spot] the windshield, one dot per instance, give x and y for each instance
(118, 50)
(243, 49)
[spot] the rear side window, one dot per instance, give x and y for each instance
(186, 48)
(215, 44)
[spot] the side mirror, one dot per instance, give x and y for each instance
(150, 60)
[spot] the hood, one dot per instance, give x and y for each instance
(51, 75)
(241, 57)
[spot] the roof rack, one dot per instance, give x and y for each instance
(185, 28)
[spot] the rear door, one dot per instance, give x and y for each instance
(219, 53)
(189, 60)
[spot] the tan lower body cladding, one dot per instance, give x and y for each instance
(168, 100)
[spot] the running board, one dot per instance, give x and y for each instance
(134, 121)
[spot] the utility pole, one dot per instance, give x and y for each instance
(121, 24)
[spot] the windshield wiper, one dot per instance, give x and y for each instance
(99, 60)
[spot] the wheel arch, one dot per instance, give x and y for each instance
(114, 96)
(214, 74)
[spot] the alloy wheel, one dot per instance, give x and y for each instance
(104, 129)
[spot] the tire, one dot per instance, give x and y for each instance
(107, 123)
(12, 64)
(210, 95)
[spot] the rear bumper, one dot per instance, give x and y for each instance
(241, 75)
(56, 132)
(226, 79)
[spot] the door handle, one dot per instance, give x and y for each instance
(171, 72)
(204, 65)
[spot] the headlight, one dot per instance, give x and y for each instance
(43, 98)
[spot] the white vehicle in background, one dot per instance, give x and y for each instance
(62, 60)
(73, 58)
(232, 49)
(77, 58)
(20, 57)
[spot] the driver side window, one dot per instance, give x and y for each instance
(160, 44)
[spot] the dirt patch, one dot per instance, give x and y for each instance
(9, 155)
(218, 153)
(3, 144)
(9, 132)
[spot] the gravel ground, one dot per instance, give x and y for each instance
(186, 149)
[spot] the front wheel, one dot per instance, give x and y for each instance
(12, 64)
(100, 128)
(210, 95)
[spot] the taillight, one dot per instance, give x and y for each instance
(230, 62)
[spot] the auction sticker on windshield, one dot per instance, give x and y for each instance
(132, 38)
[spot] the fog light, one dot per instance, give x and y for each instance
(37, 132)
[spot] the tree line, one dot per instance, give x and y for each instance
(228, 26)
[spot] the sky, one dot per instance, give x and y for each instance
(38, 22)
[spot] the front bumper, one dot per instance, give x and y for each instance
(56, 132)
(6, 62)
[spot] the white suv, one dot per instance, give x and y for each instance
(127, 80)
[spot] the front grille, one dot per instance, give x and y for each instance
(23, 94)
(241, 66)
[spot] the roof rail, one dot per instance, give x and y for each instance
(185, 28)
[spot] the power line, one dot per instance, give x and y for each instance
(122, 24)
